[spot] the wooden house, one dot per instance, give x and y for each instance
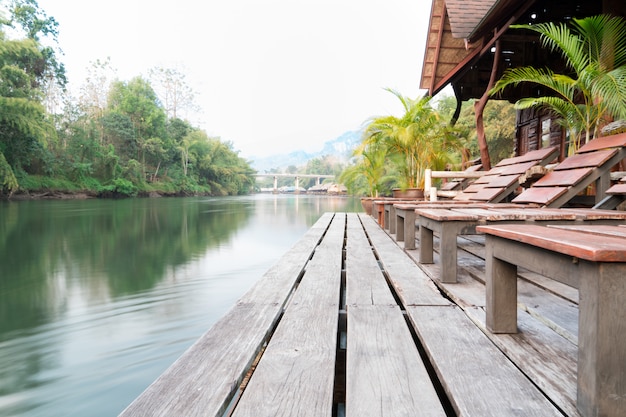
(464, 36)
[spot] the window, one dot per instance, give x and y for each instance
(545, 132)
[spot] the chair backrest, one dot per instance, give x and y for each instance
(501, 180)
(591, 163)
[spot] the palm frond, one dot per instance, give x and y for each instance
(612, 88)
(562, 85)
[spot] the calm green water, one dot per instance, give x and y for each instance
(97, 298)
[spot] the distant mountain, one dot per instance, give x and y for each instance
(341, 148)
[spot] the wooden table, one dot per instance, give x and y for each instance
(590, 258)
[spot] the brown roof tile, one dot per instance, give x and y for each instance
(466, 15)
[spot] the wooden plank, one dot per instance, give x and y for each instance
(596, 214)
(500, 181)
(548, 359)
(303, 347)
(463, 197)
(365, 283)
(519, 168)
(478, 378)
(474, 187)
(600, 230)
(563, 178)
(520, 213)
(540, 214)
(446, 215)
(489, 176)
(540, 195)
(488, 194)
(205, 378)
(536, 155)
(385, 375)
(619, 188)
(613, 141)
(591, 159)
(571, 243)
(411, 284)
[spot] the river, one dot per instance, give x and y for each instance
(99, 297)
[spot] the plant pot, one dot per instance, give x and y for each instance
(367, 204)
(413, 193)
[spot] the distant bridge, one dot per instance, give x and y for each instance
(296, 177)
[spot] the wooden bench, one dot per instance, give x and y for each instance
(405, 218)
(450, 223)
(592, 259)
(392, 216)
(380, 211)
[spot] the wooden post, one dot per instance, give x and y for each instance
(501, 291)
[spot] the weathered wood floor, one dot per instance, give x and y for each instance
(347, 323)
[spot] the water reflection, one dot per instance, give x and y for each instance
(108, 249)
(98, 297)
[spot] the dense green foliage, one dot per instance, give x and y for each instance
(396, 151)
(499, 117)
(117, 139)
(375, 169)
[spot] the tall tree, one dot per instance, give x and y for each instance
(137, 100)
(93, 99)
(173, 91)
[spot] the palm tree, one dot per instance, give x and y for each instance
(416, 141)
(368, 174)
(594, 48)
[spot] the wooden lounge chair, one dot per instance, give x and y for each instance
(495, 186)
(590, 165)
(503, 179)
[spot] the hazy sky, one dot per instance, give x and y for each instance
(270, 76)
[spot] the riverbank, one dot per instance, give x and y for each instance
(36, 187)
(84, 195)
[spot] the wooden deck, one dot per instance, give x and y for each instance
(348, 323)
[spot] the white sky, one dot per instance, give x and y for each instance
(271, 76)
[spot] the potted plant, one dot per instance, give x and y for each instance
(413, 142)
